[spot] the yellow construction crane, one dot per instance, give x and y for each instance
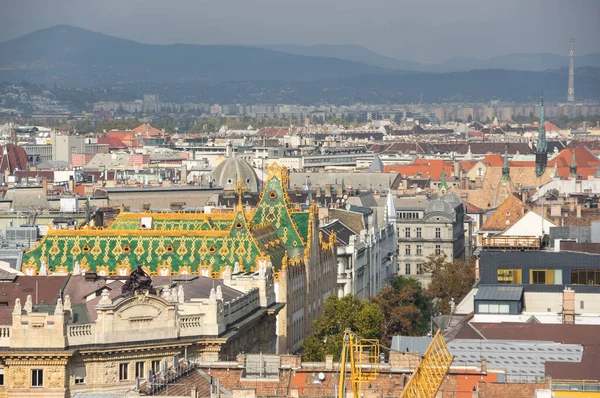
(428, 376)
(363, 356)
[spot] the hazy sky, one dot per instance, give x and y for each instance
(419, 30)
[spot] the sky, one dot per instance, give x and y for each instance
(416, 30)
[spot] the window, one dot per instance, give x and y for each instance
(79, 373)
(585, 277)
(420, 270)
(541, 276)
(407, 269)
(407, 250)
(419, 250)
(581, 305)
(511, 276)
(407, 232)
(139, 370)
(438, 250)
(123, 371)
(37, 378)
(438, 233)
(156, 366)
(418, 232)
(479, 172)
(1, 377)
(493, 308)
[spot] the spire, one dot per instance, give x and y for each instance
(443, 187)
(505, 169)
(390, 208)
(573, 164)
(541, 147)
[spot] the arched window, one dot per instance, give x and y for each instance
(479, 172)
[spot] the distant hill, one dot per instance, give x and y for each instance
(76, 57)
(350, 52)
(524, 61)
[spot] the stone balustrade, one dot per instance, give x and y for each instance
(4, 336)
(190, 325)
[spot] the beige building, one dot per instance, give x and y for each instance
(95, 339)
(427, 227)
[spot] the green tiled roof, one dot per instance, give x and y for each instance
(180, 240)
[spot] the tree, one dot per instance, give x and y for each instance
(361, 316)
(449, 280)
(405, 308)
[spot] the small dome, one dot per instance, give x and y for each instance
(452, 198)
(232, 169)
(439, 206)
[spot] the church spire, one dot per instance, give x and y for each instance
(505, 169)
(541, 147)
(573, 164)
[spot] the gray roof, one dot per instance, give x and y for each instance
(523, 360)
(342, 232)
(379, 181)
(54, 164)
(377, 165)
(410, 344)
(503, 293)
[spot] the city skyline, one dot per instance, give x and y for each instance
(429, 31)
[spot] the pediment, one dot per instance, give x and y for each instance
(139, 312)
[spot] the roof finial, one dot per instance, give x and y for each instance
(240, 189)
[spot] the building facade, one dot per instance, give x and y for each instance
(101, 340)
(429, 227)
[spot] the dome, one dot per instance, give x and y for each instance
(452, 198)
(439, 206)
(232, 169)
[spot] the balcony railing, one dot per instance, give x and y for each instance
(575, 385)
(512, 242)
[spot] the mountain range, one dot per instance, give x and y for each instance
(72, 58)
(522, 61)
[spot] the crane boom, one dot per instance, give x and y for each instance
(428, 376)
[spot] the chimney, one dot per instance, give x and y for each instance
(183, 176)
(456, 168)
(568, 306)
(578, 211)
(71, 184)
(45, 185)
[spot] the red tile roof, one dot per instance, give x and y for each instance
(113, 142)
(12, 157)
(431, 168)
(509, 212)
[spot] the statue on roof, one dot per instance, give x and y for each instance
(138, 281)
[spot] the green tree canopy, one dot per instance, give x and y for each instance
(362, 317)
(449, 280)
